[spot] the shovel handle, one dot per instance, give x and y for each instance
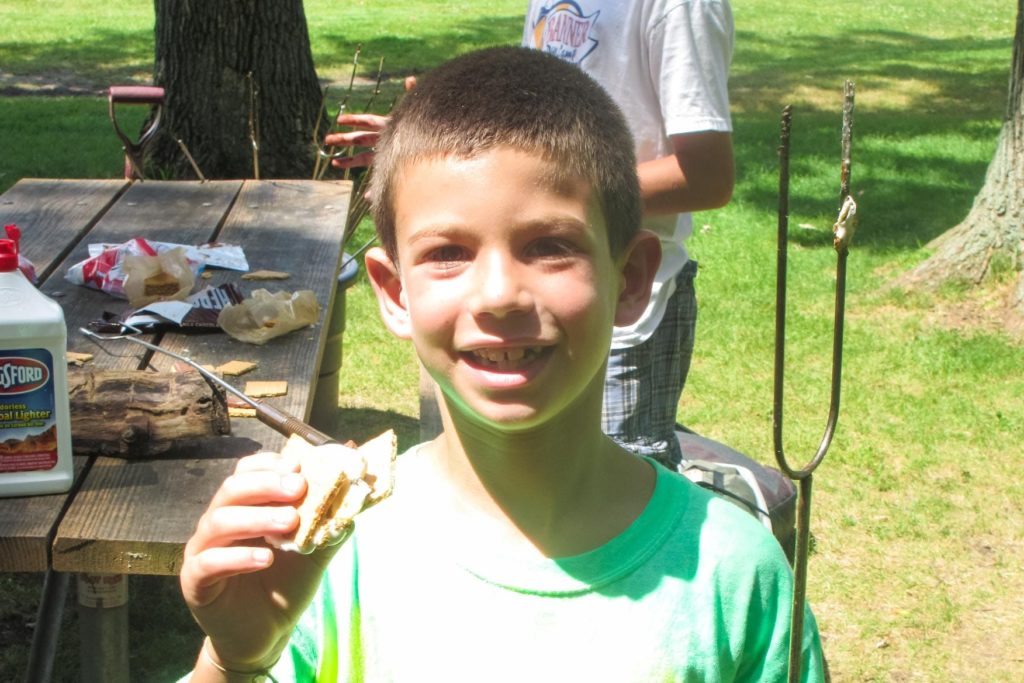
(135, 94)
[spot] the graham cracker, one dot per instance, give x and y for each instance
(234, 368)
(264, 388)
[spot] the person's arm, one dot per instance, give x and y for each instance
(690, 49)
(698, 177)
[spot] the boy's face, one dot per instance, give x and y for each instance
(505, 284)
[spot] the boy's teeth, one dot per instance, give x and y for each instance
(504, 357)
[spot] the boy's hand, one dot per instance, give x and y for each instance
(246, 596)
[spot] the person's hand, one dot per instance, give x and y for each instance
(367, 128)
(245, 595)
(366, 131)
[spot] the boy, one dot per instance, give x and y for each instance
(666, 65)
(522, 544)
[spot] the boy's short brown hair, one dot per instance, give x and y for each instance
(517, 98)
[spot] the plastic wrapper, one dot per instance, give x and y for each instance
(26, 267)
(158, 276)
(211, 254)
(264, 315)
(165, 276)
(198, 311)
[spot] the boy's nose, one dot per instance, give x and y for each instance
(498, 289)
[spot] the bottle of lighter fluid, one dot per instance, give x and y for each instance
(35, 425)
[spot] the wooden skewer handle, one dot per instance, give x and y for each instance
(287, 424)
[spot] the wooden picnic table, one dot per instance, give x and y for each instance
(134, 516)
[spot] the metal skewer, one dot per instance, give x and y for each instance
(277, 420)
(843, 234)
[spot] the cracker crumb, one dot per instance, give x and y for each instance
(241, 412)
(78, 359)
(266, 275)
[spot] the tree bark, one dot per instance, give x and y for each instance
(990, 240)
(228, 67)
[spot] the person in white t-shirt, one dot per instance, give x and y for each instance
(665, 63)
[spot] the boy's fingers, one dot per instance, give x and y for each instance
(369, 121)
(354, 138)
(267, 460)
(224, 526)
(259, 487)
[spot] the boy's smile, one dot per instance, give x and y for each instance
(505, 284)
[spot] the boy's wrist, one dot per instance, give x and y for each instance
(252, 673)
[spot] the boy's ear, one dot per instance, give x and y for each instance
(387, 285)
(637, 267)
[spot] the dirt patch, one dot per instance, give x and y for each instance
(52, 83)
(983, 309)
(61, 83)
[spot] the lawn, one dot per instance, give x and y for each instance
(917, 572)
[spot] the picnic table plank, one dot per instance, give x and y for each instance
(113, 525)
(53, 215)
(26, 526)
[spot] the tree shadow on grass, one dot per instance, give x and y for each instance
(112, 56)
(907, 195)
(965, 76)
(911, 90)
(106, 57)
(405, 56)
(911, 181)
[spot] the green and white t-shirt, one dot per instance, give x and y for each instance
(693, 590)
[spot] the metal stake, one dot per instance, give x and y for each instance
(843, 230)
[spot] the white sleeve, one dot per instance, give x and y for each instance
(691, 45)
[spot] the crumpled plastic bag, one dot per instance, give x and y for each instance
(165, 276)
(107, 271)
(264, 315)
(27, 268)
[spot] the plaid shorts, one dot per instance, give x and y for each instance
(644, 382)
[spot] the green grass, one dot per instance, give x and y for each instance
(918, 533)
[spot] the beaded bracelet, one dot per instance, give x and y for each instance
(258, 676)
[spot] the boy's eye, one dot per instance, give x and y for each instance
(446, 256)
(551, 248)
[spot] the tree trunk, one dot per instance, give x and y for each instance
(990, 240)
(228, 67)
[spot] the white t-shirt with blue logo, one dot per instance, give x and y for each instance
(666, 64)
